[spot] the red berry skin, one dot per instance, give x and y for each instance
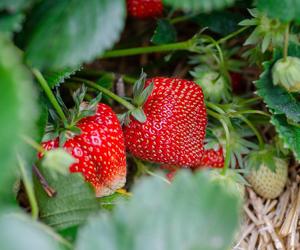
(175, 127)
(212, 158)
(99, 150)
(144, 8)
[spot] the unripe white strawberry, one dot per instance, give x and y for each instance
(268, 178)
(286, 72)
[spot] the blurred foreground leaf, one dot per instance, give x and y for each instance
(17, 112)
(18, 232)
(192, 213)
(66, 33)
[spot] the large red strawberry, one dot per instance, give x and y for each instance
(144, 8)
(99, 150)
(174, 130)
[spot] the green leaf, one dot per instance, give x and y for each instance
(285, 10)
(203, 6)
(73, 203)
(55, 78)
(19, 232)
(222, 22)
(17, 111)
(192, 213)
(164, 32)
(139, 115)
(276, 97)
(67, 33)
(11, 23)
(290, 134)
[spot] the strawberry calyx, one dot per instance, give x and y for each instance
(67, 130)
(215, 86)
(140, 96)
(263, 157)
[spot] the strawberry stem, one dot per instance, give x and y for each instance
(49, 94)
(49, 190)
(252, 111)
(226, 124)
(227, 148)
(250, 125)
(107, 92)
(185, 45)
(29, 188)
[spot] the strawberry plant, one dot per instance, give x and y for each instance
(146, 124)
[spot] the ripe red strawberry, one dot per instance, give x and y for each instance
(99, 150)
(175, 127)
(144, 8)
(212, 158)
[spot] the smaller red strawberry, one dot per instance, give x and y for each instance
(212, 158)
(99, 150)
(144, 8)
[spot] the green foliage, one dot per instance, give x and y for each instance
(203, 6)
(66, 33)
(17, 112)
(11, 23)
(277, 98)
(164, 32)
(73, 203)
(222, 22)
(267, 32)
(19, 232)
(165, 217)
(289, 133)
(285, 10)
(55, 78)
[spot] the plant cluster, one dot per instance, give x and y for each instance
(97, 155)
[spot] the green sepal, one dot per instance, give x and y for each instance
(139, 85)
(79, 94)
(75, 130)
(140, 99)
(139, 115)
(266, 157)
(94, 102)
(63, 137)
(61, 102)
(121, 118)
(50, 135)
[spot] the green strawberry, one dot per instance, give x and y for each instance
(267, 173)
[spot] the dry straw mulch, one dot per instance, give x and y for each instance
(272, 224)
